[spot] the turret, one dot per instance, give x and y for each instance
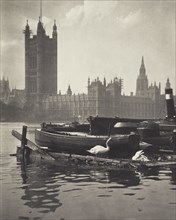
(168, 85)
(40, 29)
(27, 31)
(69, 92)
(104, 82)
(142, 81)
(88, 82)
(54, 30)
(160, 87)
(142, 68)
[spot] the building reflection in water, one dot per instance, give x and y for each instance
(41, 190)
(154, 173)
(43, 181)
(123, 178)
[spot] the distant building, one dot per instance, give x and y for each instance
(40, 65)
(102, 98)
(105, 99)
(11, 102)
(40, 99)
(14, 96)
(4, 91)
(17, 98)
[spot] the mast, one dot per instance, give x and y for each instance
(41, 10)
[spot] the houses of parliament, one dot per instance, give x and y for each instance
(41, 101)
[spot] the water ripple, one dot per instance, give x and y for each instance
(41, 190)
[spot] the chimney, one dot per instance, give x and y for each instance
(170, 104)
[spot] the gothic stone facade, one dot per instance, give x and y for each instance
(102, 99)
(40, 65)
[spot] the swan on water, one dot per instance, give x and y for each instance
(139, 156)
(98, 149)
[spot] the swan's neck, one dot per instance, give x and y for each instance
(107, 146)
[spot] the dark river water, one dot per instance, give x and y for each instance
(44, 190)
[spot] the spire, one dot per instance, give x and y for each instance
(40, 28)
(27, 31)
(142, 60)
(69, 92)
(55, 23)
(88, 81)
(104, 81)
(142, 68)
(27, 26)
(168, 85)
(54, 26)
(54, 29)
(142, 63)
(142, 80)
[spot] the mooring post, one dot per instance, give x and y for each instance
(23, 139)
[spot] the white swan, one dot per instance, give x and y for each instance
(98, 149)
(139, 156)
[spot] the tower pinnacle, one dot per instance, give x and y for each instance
(40, 28)
(69, 92)
(142, 81)
(142, 60)
(142, 68)
(168, 85)
(27, 30)
(54, 29)
(142, 63)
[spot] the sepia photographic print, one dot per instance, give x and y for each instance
(88, 109)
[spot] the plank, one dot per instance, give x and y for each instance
(32, 145)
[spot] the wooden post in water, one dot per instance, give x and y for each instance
(23, 139)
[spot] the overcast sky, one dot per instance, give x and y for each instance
(96, 39)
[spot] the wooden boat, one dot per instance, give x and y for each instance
(79, 142)
(31, 152)
(167, 125)
(69, 127)
(100, 125)
(151, 133)
(99, 128)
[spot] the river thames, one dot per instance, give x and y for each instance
(43, 190)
